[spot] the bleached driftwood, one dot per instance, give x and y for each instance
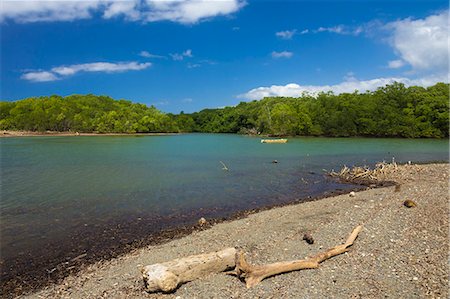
(168, 276)
(355, 174)
(255, 274)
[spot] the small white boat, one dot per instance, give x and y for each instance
(274, 140)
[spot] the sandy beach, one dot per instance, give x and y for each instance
(401, 252)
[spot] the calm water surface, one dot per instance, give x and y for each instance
(57, 190)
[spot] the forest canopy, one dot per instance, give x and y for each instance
(390, 111)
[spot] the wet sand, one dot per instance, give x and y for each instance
(40, 266)
(401, 253)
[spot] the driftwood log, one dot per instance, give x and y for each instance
(168, 276)
(255, 274)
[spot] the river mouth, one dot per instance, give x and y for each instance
(53, 260)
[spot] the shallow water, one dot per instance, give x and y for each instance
(67, 193)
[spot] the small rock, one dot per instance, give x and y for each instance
(202, 222)
(275, 161)
(409, 203)
(352, 194)
(308, 238)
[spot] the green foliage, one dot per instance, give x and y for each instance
(83, 113)
(390, 111)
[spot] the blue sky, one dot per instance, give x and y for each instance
(193, 54)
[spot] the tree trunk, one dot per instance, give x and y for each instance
(168, 276)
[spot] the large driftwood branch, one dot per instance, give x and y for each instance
(168, 276)
(253, 274)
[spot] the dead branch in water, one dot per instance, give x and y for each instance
(366, 174)
(224, 166)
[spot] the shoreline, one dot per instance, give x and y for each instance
(401, 252)
(52, 275)
(186, 233)
(8, 134)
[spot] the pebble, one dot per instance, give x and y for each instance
(202, 221)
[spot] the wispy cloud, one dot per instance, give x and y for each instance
(147, 54)
(181, 56)
(61, 72)
(185, 11)
(340, 29)
(283, 54)
(193, 65)
(287, 34)
(350, 85)
(395, 64)
(423, 44)
(161, 103)
(187, 100)
(39, 76)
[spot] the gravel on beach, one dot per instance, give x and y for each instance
(401, 252)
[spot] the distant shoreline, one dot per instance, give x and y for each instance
(6, 133)
(9, 134)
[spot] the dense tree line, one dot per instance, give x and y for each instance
(83, 113)
(393, 110)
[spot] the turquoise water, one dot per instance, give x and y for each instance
(68, 190)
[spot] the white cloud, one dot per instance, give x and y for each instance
(176, 56)
(422, 43)
(187, 53)
(147, 54)
(39, 76)
(181, 11)
(128, 9)
(193, 65)
(64, 71)
(304, 31)
(105, 67)
(335, 29)
(283, 54)
(181, 56)
(190, 11)
(187, 100)
(340, 29)
(349, 85)
(44, 11)
(396, 64)
(288, 34)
